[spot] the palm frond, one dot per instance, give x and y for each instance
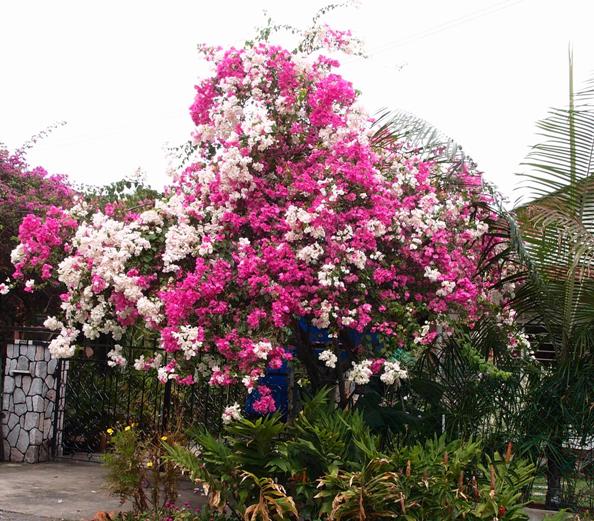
(557, 226)
(421, 138)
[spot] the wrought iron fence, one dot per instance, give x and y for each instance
(98, 397)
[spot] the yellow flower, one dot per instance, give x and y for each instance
(163, 438)
(127, 428)
(110, 431)
(149, 464)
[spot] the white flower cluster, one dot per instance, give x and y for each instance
(432, 274)
(329, 358)
(150, 309)
(328, 276)
(360, 373)
(357, 258)
(376, 227)
(187, 339)
(393, 373)
(18, 254)
(231, 413)
(151, 217)
(310, 253)
(422, 333)
(323, 320)
(447, 287)
(141, 364)
(115, 357)
(79, 211)
(166, 373)
(53, 324)
(233, 172)
(257, 124)
(348, 319)
(102, 249)
(250, 381)
(261, 349)
(180, 241)
(62, 346)
(299, 220)
(422, 222)
(523, 345)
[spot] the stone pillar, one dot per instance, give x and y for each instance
(29, 397)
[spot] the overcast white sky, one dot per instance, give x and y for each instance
(121, 73)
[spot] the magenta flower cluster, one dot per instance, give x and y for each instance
(25, 191)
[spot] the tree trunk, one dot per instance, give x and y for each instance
(318, 375)
(305, 354)
(553, 497)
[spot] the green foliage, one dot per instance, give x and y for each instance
(125, 468)
(321, 440)
(136, 463)
(273, 502)
(472, 385)
(435, 480)
(371, 493)
(230, 468)
(327, 464)
(131, 193)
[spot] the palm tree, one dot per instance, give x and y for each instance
(556, 237)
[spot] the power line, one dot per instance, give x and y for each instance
(444, 26)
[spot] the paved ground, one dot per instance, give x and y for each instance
(15, 516)
(60, 490)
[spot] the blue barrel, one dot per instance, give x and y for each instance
(278, 379)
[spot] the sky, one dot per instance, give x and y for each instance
(121, 73)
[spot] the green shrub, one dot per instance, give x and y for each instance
(327, 464)
(431, 481)
(136, 470)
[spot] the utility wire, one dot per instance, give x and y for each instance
(446, 25)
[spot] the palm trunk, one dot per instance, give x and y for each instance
(553, 473)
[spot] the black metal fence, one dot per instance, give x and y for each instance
(99, 397)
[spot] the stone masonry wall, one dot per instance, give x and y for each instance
(28, 401)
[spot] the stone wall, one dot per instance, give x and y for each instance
(28, 402)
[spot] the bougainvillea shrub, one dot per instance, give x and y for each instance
(36, 196)
(289, 210)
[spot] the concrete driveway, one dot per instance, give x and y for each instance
(69, 490)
